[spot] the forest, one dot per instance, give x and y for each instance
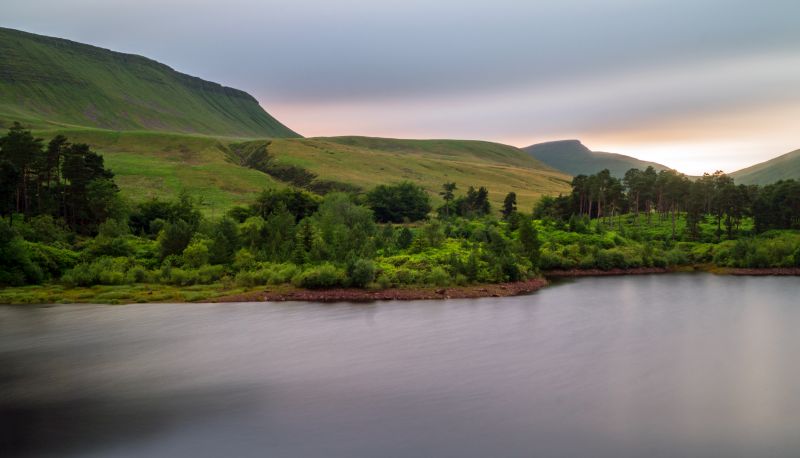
(67, 228)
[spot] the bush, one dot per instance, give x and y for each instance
(196, 254)
(210, 274)
(103, 271)
(438, 277)
(137, 274)
(250, 278)
(323, 276)
(361, 273)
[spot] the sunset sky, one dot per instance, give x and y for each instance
(697, 85)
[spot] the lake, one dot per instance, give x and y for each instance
(662, 365)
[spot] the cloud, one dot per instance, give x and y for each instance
(503, 70)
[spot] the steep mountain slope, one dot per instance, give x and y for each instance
(163, 132)
(52, 82)
(572, 157)
(783, 167)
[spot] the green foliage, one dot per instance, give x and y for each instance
(298, 203)
(224, 242)
(361, 273)
(398, 203)
(16, 267)
(405, 238)
(346, 228)
(323, 276)
(196, 254)
(174, 238)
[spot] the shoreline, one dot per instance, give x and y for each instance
(154, 293)
(396, 294)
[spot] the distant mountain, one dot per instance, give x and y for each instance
(572, 157)
(780, 168)
(51, 82)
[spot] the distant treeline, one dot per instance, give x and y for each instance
(668, 193)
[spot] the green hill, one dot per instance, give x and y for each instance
(52, 82)
(163, 132)
(158, 164)
(572, 157)
(783, 167)
(368, 162)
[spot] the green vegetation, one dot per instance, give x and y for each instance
(50, 82)
(67, 227)
(164, 133)
(784, 167)
(369, 162)
(220, 173)
(572, 157)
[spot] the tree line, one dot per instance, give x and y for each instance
(60, 179)
(67, 222)
(666, 194)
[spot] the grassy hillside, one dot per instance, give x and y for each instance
(572, 157)
(47, 82)
(156, 164)
(162, 132)
(368, 162)
(782, 167)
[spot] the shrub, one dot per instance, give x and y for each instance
(210, 274)
(250, 278)
(361, 273)
(322, 276)
(137, 274)
(438, 277)
(283, 273)
(196, 254)
(103, 271)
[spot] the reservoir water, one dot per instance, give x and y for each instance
(667, 365)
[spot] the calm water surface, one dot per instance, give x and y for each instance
(670, 365)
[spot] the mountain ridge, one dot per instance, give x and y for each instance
(783, 167)
(573, 157)
(59, 82)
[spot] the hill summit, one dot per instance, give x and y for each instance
(53, 82)
(574, 158)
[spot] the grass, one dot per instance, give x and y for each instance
(161, 164)
(162, 132)
(783, 167)
(368, 162)
(51, 82)
(116, 294)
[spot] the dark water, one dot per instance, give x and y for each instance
(673, 365)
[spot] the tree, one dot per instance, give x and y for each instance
(299, 203)
(174, 238)
(400, 202)
(475, 203)
(405, 238)
(23, 150)
(224, 242)
(9, 178)
(529, 240)
(509, 205)
(448, 194)
(346, 228)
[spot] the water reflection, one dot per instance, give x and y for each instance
(687, 365)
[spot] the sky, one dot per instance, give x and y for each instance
(698, 85)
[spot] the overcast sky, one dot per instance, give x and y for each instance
(698, 85)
